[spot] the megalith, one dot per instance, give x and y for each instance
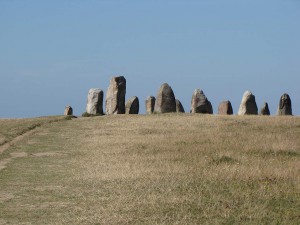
(68, 111)
(132, 105)
(248, 105)
(285, 105)
(200, 103)
(225, 108)
(264, 110)
(150, 104)
(179, 107)
(165, 100)
(94, 104)
(115, 96)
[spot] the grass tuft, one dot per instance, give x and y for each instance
(85, 114)
(224, 159)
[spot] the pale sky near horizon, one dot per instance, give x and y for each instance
(53, 52)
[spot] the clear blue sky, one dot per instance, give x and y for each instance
(52, 52)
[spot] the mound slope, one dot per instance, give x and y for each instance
(155, 169)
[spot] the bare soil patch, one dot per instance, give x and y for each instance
(41, 154)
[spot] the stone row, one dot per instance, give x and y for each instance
(165, 102)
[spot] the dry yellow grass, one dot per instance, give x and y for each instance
(11, 128)
(157, 169)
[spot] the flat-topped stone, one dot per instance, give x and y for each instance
(95, 102)
(225, 108)
(115, 96)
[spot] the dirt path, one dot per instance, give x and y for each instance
(6, 146)
(15, 140)
(28, 133)
(12, 156)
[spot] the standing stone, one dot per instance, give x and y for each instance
(115, 97)
(225, 108)
(285, 105)
(150, 104)
(200, 103)
(133, 106)
(165, 101)
(179, 107)
(248, 105)
(68, 111)
(265, 110)
(95, 102)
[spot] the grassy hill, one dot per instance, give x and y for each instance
(156, 169)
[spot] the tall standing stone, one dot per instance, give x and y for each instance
(179, 107)
(165, 100)
(285, 105)
(200, 103)
(150, 104)
(133, 105)
(248, 105)
(225, 108)
(68, 111)
(95, 102)
(115, 97)
(265, 110)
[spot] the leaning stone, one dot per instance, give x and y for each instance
(68, 111)
(248, 105)
(165, 101)
(150, 104)
(200, 103)
(179, 107)
(115, 97)
(95, 102)
(133, 106)
(225, 108)
(285, 106)
(265, 110)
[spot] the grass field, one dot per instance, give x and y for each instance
(155, 169)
